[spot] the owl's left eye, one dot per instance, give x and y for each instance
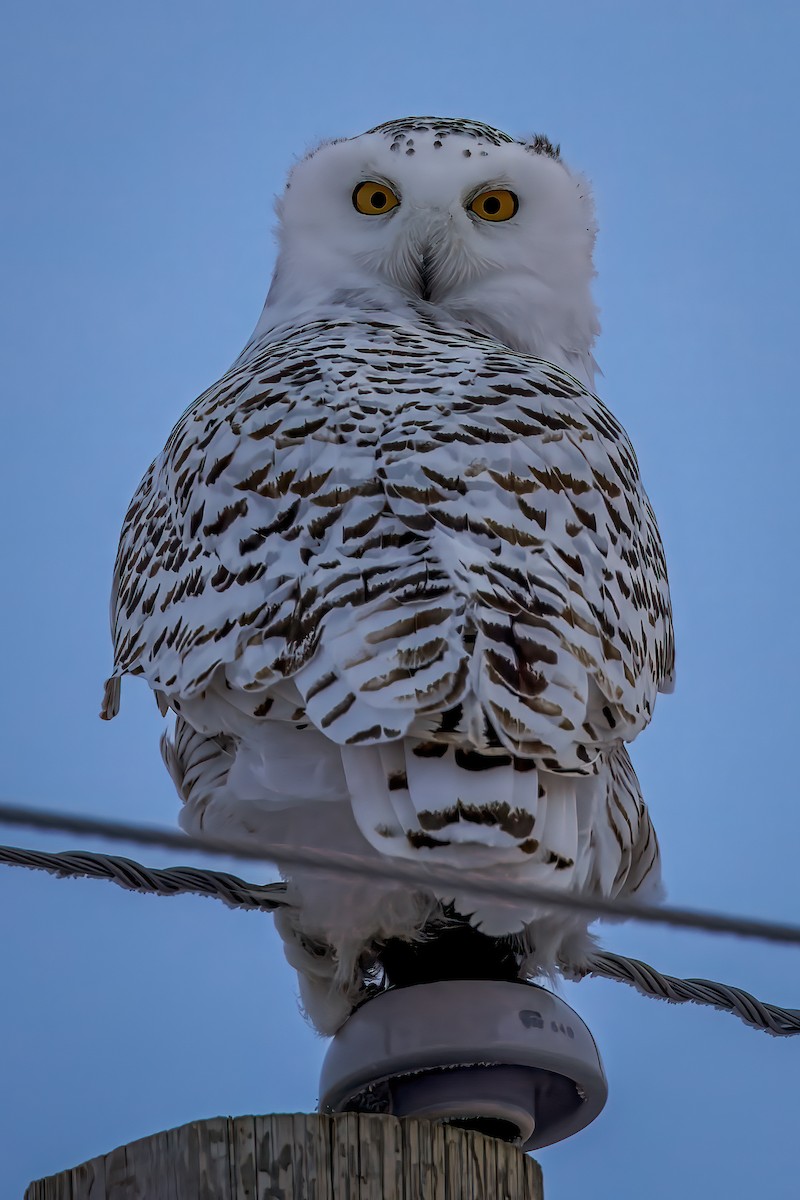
(372, 198)
(498, 204)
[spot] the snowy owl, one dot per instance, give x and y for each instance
(396, 573)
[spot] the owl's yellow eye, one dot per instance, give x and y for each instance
(496, 205)
(372, 198)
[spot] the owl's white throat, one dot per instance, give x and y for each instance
(514, 307)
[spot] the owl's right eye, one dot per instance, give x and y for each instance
(372, 198)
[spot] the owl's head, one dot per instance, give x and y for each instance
(449, 213)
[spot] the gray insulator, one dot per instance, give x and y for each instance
(510, 1059)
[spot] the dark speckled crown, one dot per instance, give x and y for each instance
(403, 129)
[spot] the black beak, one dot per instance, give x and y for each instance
(426, 275)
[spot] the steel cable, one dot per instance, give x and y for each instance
(237, 893)
(443, 879)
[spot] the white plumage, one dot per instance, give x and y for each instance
(396, 572)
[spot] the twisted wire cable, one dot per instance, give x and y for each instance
(443, 879)
(780, 1022)
(236, 893)
(134, 877)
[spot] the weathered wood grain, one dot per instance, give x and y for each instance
(298, 1157)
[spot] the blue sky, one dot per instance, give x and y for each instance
(144, 144)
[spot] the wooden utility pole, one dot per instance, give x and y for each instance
(298, 1157)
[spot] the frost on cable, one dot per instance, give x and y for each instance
(396, 572)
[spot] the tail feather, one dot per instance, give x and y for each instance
(558, 820)
(434, 802)
(431, 802)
